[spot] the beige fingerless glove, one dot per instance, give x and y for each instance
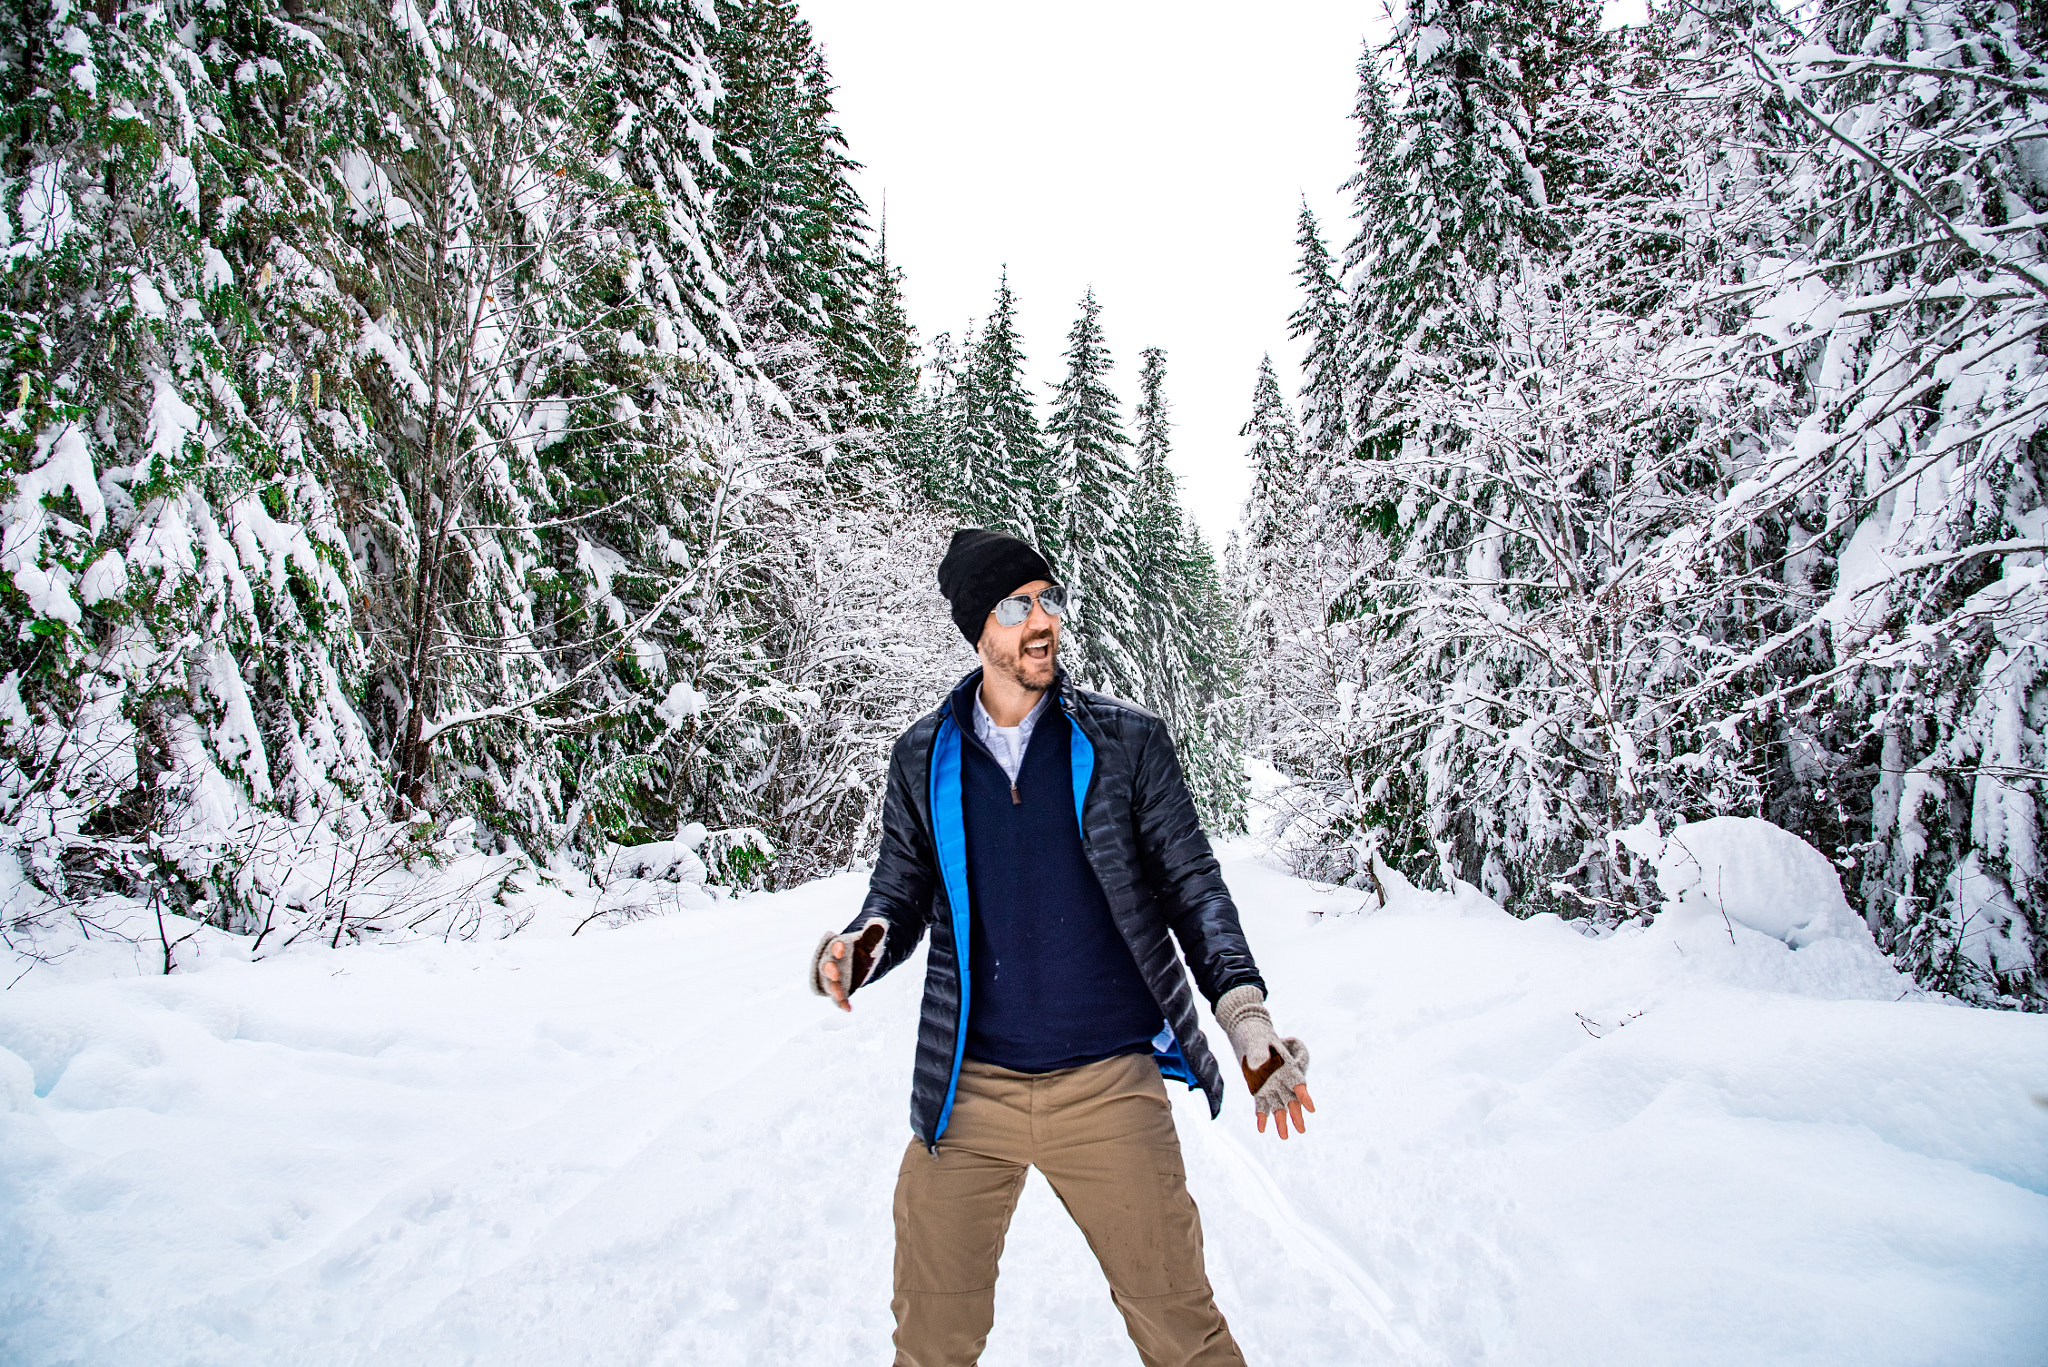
(856, 965)
(1273, 1067)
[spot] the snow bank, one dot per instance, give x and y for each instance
(1681, 1144)
(1752, 873)
(674, 861)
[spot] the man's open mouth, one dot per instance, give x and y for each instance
(1038, 650)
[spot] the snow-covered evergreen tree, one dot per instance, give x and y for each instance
(654, 86)
(496, 255)
(994, 471)
(180, 657)
(1320, 324)
(919, 444)
(889, 386)
(794, 227)
(1157, 539)
(1092, 547)
(1273, 521)
(1461, 184)
(1187, 633)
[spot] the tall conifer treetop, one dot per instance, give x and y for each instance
(1093, 547)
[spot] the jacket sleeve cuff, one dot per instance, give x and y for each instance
(1231, 985)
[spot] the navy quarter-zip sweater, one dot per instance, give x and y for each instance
(1054, 983)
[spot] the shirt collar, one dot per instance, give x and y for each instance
(983, 720)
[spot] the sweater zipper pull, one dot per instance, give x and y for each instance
(1015, 801)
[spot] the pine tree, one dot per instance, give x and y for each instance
(1189, 640)
(645, 512)
(1458, 186)
(793, 225)
(1157, 544)
(890, 383)
(1334, 538)
(1319, 323)
(493, 242)
(179, 653)
(653, 85)
(1093, 549)
(1213, 660)
(1272, 521)
(996, 472)
(920, 446)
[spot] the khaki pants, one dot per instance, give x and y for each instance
(1103, 1136)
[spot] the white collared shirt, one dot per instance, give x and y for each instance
(1007, 743)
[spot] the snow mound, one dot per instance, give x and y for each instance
(1757, 875)
(1403, 898)
(673, 861)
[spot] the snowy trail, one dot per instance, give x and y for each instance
(1318, 1254)
(653, 1146)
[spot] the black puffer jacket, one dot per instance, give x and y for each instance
(1142, 838)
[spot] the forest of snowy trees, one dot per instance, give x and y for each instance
(496, 425)
(1671, 444)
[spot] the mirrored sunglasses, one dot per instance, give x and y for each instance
(1013, 610)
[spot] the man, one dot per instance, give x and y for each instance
(1045, 836)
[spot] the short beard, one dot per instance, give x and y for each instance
(1013, 665)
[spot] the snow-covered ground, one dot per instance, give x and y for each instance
(650, 1145)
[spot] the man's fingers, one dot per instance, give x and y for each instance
(1291, 1112)
(832, 973)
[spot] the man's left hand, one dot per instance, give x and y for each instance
(1275, 1069)
(1294, 1108)
(1277, 1086)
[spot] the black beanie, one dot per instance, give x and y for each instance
(980, 570)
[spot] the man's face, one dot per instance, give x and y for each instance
(1025, 652)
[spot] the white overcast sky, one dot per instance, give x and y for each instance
(1156, 151)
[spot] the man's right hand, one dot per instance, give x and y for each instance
(844, 961)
